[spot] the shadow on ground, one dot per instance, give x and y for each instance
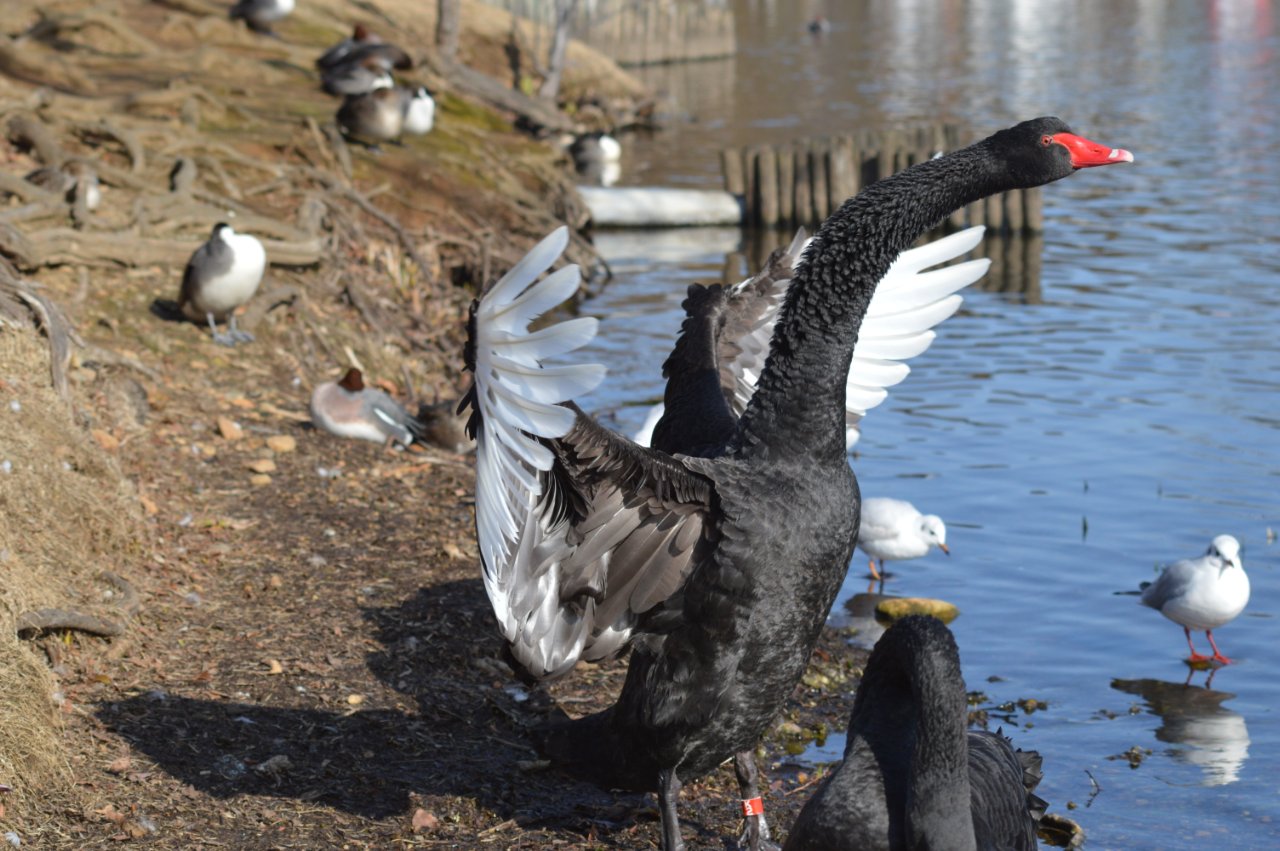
(467, 738)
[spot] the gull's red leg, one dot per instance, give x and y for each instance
(1195, 657)
(1217, 654)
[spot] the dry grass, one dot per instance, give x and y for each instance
(66, 514)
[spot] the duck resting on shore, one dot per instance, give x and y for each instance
(717, 554)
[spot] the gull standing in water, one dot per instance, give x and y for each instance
(893, 530)
(1202, 593)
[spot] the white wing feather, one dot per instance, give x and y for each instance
(908, 303)
(518, 398)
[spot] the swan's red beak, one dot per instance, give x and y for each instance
(1086, 154)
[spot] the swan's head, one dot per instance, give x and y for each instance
(1043, 150)
(1226, 548)
(934, 531)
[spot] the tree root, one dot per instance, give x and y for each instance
(37, 623)
(57, 246)
(33, 624)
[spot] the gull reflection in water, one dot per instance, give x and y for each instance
(1209, 735)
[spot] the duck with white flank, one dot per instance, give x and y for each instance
(893, 530)
(718, 566)
(419, 110)
(348, 408)
(72, 179)
(261, 14)
(1202, 593)
(913, 776)
(223, 274)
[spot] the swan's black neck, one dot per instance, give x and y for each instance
(912, 702)
(798, 406)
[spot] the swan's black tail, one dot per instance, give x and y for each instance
(590, 748)
(1032, 774)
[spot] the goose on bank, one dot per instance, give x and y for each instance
(221, 275)
(913, 777)
(718, 564)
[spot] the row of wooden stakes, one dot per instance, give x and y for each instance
(804, 181)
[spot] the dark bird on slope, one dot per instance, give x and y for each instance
(364, 68)
(73, 178)
(356, 78)
(373, 117)
(360, 36)
(718, 567)
(913, 777)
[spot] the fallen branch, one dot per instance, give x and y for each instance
(28, 131)
(33, 624)
(58, 246)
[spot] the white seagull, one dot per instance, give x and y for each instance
(893, 530)
(1202, 593)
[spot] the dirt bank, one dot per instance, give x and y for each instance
(306, 658)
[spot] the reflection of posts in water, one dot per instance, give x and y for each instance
(1015, 266)
(1212, 737)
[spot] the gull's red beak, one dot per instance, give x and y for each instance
(1086, 154)
(943, 547)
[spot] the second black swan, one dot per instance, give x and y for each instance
(913, 777)
(717, 570)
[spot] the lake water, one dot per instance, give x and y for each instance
(1074, 430)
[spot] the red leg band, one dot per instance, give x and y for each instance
(752, 807)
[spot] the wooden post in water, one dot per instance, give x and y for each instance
(749, 157)
(787, 185)
(803, 205)
(802, 182)
(840, 173)
(767, 187)
(1033, 209)
(1015, 213)
(735, 180)
(818, 176)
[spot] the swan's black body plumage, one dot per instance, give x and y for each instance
(738, 532)
(912, 776)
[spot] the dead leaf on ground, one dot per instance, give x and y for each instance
(423, 820)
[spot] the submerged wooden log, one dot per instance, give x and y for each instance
(638, 206)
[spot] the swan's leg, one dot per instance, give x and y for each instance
(668, 796)
(755, 831)
(1217, 654)
(1195, 657)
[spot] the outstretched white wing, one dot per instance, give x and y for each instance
(909, 301)
(517, 399)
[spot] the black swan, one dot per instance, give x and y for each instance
(912, 776)
(718, 570)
